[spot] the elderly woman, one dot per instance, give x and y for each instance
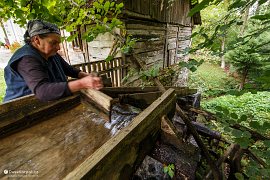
(37, 68)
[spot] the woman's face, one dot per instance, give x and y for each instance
(49, 45)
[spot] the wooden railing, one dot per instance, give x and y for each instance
(115, 69)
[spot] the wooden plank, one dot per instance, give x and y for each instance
(148, 46)
(136, 24)
(114, 92)
(149, 32)
(145, 7)
(151, 57)
(112, 73)
(172, 45)
(166, 56)
(171, 57)
(127, 149)
(128, 4)
(131, 14)
(25, 112)
(136, 6)
(99, 99)
(115, 73)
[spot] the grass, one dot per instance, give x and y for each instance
(2, 85)
(211, 80)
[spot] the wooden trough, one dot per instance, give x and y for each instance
(67, 139)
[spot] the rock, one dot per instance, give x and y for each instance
(150, 169)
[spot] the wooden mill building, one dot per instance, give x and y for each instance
(164, 33)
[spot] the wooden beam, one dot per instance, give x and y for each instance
(118, 157)
(143, 100)
(99, 99)
(232, 149)
(115, 91)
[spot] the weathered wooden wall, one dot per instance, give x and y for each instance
(151, 35)
(160, 10)
(163, 31)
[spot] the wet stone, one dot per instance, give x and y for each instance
(150, 169)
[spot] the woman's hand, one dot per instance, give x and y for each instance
(91, 81)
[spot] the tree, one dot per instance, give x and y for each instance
(244, 61)
(5, 32)
(69, 15)
(234, 28)
(216, 31)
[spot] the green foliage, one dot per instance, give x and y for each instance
(100, 16)
(203, 4)
(150, 73)
(248, 111)
(169, 170)
(249, 58)
(2, 85)
(255, 106)
(216, 26)
(211, 80)
(129, 44)
(246, 40)
(14, 46)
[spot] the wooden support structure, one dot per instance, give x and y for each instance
(232, 149)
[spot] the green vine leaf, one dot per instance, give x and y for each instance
(169, 170)
(254, 124)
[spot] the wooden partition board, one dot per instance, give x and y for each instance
(99, 99)
(142, 100)
(115, 91)
(118, 157)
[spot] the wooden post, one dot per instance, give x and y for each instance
(230, 151)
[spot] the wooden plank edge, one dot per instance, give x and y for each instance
(99, 97)
(99, 100)
(114, 91)
(143, 100)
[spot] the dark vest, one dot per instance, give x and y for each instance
(16, 86)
